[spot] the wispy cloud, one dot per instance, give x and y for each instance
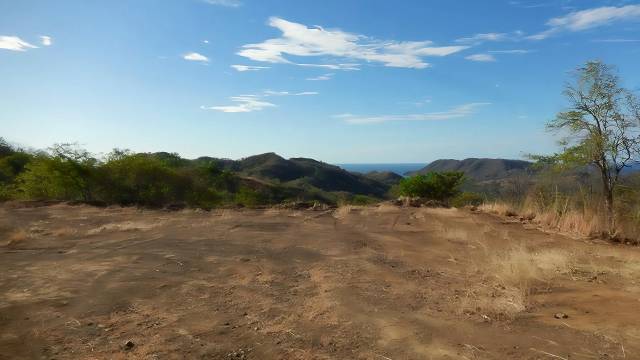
(333, 66)
(227, 3)
(511, 52)
(300, 40)
(46, 40)
(14, 43)
(254, 102)
(457, 112)
(480, 38)
(243, 68)
(588, 19)
(287, 93)
(483, 37)
(481, 57)
(616, 40)
(194, 56)
(244, 104)
(321, 77)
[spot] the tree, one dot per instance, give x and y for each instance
(67, 173)
(441, 186)
(602, 124)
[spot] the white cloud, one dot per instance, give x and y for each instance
(321, 77)
(333, 66)
(205, 41)
(194, 56)
(300, 40)
(46, 40)
(227, 3)
(243, 68)
(477, 38)
(286, 93)
(515, 51)
(244, 104)
(250, 103)
(481, 57)
(14, 43)
(588, 19)
(457, 112)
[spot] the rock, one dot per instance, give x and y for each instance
(560, 315)
(128, 345)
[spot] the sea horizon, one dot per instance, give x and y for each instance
(398, 168)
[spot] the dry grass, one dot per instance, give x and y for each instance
(574, 222)
(63, 232)
(17, 236)
(511, 276)
(498, 208)
(125, 226)
(343, 211)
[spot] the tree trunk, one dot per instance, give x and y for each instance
(608, 202)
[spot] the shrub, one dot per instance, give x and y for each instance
(441, 186)
(140, 179)
(361, 200)
(249, 197)
(467, 199)
(57, 177)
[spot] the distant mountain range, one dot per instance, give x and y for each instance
(312, 179)
(307, 174)
(479, 169)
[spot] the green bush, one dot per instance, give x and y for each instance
(467, 199)
(58, 177)
(139, 179)
(361, 200)
(249, 197)
(441, 186)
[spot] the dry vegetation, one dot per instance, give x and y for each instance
(566, 219)
(357, 282)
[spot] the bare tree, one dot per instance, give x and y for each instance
(603, 127)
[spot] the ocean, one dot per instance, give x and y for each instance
(399, 169)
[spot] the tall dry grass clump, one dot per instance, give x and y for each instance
(514, 275)
(498, 208)
(16, 237)
(570, 214)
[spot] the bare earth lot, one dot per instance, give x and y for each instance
(356, 283)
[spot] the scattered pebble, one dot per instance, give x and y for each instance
(128, 345)
(560, 315)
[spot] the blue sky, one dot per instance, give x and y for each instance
(338, 81)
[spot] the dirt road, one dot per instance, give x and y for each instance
(355, 283)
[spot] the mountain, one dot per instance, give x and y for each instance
(479, 169)
(302, 173)
(386, 177)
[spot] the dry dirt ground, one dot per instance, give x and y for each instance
(355, 283)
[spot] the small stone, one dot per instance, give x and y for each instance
(128, 345)
(560, 315)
